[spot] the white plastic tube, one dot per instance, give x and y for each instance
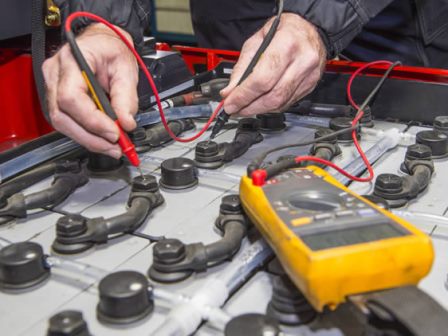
(304, 121)
(405, 139)
(76, 267)
(175, 113)
(424, 221)
(185, 318)
(356, 166)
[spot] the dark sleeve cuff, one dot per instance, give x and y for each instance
(337, 21)
(130, 15)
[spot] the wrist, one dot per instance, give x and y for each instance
(100, 29)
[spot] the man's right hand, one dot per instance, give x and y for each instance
(72, 110)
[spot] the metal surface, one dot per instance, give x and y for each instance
(189, 216)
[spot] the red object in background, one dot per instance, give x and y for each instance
(22, 119)
(21, 116)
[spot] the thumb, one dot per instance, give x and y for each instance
(247, 53)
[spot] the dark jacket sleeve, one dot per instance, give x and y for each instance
(338, 21)
(131, 15)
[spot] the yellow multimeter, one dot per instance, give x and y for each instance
(332, 242)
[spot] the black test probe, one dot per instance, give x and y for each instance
(101, 99)
(223, 117)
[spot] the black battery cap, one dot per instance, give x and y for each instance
(253, 325)
(124, 298)
(436, 140)
(67, 323)
(178, 173)
(22, 265)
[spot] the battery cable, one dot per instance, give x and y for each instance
(259, 176)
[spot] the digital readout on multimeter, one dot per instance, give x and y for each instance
(365, 234)
(331, 242)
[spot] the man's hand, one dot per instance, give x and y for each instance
(288, 70)
(72, 110)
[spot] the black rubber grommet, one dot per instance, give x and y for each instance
(100, 163)
(381, 202)
(272, 122)
(320, 132)
(70, 227)
(288, 306)
(168, 252)
(207, 155)
(340, 123)
(171, 277)
(68, 323)
(62, 248)
(437, 141)
(178, 173)
(124, 298)
(253, 325)
(22, 265)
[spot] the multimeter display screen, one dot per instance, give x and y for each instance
(345, 237)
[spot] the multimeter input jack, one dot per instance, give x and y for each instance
(75, 233)
(175, 261)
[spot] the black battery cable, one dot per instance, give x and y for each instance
(254, 166)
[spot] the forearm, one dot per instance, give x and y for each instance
(132, 16)
(338, 21)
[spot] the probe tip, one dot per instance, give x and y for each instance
(141, 172)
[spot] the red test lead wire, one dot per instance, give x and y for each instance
(75, 15)
(259, 176)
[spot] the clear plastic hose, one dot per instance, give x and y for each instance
(35, 157)
(175, 113)
(425, 221)
(47, 152)
(185, 318)
(76, 267)
(304, 121)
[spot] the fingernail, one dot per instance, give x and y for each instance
(111, 136)
(115, 153)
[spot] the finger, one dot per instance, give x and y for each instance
(268, 71)
(73, 99)
(64, 124)
(298, 81)
(247, 54)
(50, 70)
(278, 97)
(68, 126)
(123, 91)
